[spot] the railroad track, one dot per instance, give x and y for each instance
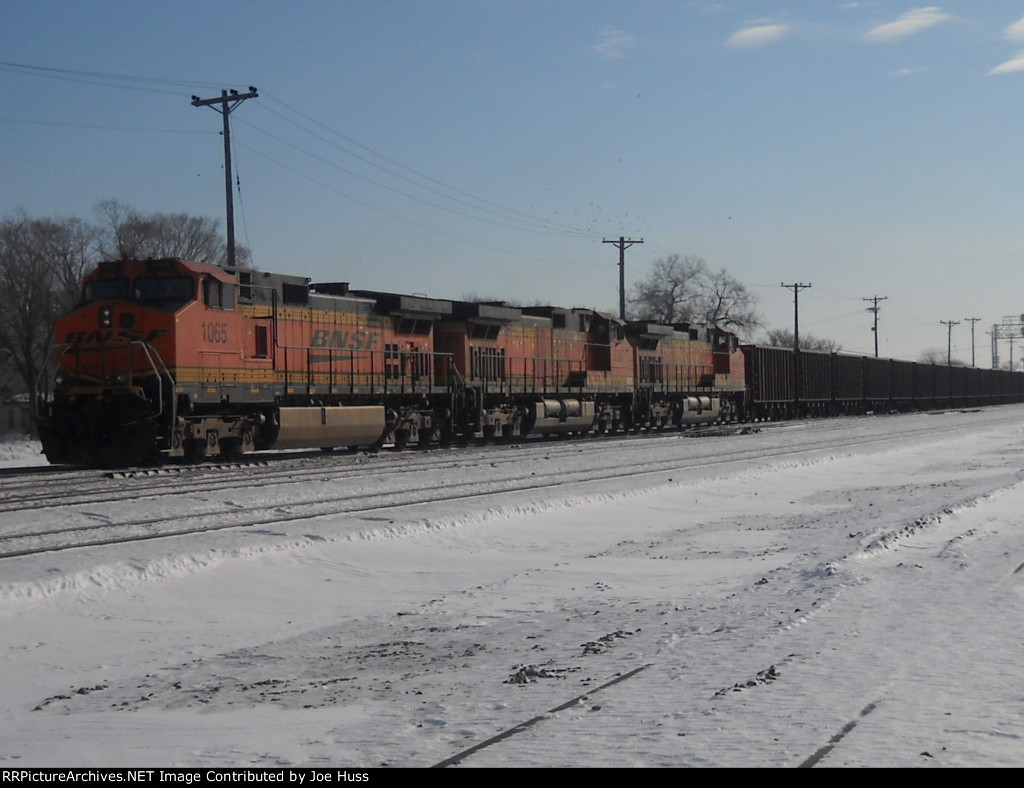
(24, 490)
(388, 488)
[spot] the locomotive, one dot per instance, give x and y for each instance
(169, 358)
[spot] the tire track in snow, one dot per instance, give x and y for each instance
(459, 757)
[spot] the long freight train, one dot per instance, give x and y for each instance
(176, 359)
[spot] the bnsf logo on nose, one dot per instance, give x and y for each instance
(132, 335)
(344, 340)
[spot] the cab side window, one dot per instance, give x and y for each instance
(219, 295)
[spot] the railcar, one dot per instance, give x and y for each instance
(781, 383)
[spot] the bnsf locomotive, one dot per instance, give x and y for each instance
(176, 359)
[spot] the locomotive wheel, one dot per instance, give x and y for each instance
(129, 445)
(231, 449)
(195, 450)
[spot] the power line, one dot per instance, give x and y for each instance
(122, 81)
(486, 205)
(503, 215)
(422, 200)
(369, 206)
(100, 127)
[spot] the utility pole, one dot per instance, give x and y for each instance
(797, 377)
(1010, 328)
(796, 288)
(227, 101)
(972, 321)
(623, 245)
(874, 308)
(949, 339)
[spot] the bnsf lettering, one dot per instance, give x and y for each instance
(345, 340)
(96, 337)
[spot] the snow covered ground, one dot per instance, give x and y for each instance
(860, 604)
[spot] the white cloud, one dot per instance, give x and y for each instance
(614, 44)
(1015, 32)
(908, 24)
(1014, 64)
(757, 36)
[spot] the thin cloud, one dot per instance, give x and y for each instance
(757, 36)
(614, 44)
(1010, 66)
(1015, 32)
(908, 24)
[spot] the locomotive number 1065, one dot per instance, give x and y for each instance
(215, 332)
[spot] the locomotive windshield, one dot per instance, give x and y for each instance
(159, 291)
(106, 290)
(164, 291)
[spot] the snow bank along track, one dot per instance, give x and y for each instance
(370, 483)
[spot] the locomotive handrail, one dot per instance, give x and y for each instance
(674, 377)
(526, 374)
(389, 370)
(146, 348)
(148, 352)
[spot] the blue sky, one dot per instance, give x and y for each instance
(487, 147)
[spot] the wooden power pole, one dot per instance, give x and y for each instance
(797, 361)
(224, 104)
(623, 245)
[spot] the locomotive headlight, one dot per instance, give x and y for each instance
(106, 317)
(122, 378)
(59, 379)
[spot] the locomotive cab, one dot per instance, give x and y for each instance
(113, 399)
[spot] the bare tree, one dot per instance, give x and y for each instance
(684, 290)
(671, 292)
(128, 235)
(41, 265)
(934, 355)
(783, 337)
(727, 303)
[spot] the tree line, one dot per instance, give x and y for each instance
(42, 262)
(683, 289)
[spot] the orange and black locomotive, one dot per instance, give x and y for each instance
(176, 359)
